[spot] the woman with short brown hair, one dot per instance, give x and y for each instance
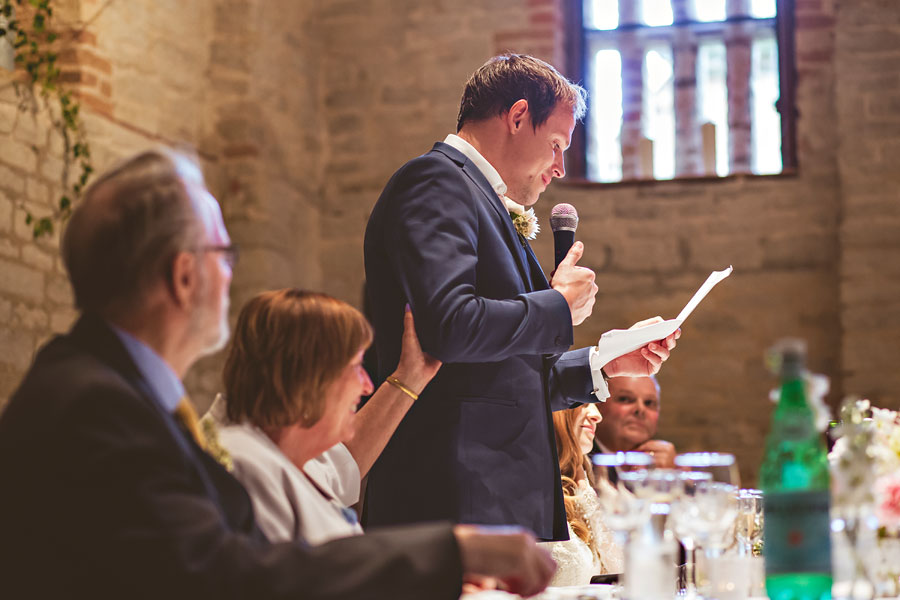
(293, 379)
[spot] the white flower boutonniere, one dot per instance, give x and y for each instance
(525, 221)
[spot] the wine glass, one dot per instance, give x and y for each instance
(617, 478)
(720, 465)
(750, 520)
(681, 517)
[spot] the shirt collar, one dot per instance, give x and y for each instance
(489, 172)
(159, 375)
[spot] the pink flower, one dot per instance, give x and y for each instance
(887, 492)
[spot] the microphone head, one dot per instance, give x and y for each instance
(563, 217)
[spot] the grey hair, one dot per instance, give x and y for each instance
(128, 228)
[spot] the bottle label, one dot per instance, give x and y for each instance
(793, 427)
(797, 532)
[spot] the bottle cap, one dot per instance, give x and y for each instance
(786, 353)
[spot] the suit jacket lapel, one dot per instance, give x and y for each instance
(512, 236)
(102, 341)
(538, 279)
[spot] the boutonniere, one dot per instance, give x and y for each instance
(525, 221)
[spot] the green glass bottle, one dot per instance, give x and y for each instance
(794, 478)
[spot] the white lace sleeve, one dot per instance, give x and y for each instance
(612, 558)
(574, 561)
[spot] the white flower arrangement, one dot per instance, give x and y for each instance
(865, 461)
(524, 220)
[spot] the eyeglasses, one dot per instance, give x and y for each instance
(230, 253)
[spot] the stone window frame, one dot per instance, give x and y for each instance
(576, 157)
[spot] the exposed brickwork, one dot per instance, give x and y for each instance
(301, 110)
(868, 119)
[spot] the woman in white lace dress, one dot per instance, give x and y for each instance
(591, 549)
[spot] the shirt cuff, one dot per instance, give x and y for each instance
(601, 390)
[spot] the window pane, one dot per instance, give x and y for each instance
(709, 10)
(601, 14)
(712, 96)
(763, 9)
(604, 157)
(659, 109)
(656, 12)
(766, 127)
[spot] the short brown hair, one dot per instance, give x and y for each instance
(504, 80)
(127, 229)
(288, 346)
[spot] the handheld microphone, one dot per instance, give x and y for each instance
(563, 222)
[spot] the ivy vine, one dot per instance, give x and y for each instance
(33, 45)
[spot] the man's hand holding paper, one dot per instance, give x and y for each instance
(646, 360)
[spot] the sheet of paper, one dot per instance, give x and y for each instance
(711, 281)
(617, 342)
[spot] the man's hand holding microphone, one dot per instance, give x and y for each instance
(578, 287)
(575, 283)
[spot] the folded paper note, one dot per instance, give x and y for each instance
(617, 342)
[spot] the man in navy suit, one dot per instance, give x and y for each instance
(105, 493)
(478, 444)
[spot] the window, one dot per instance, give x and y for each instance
(682, 88)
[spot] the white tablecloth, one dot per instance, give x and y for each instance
(576, 592)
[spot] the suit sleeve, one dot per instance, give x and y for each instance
(431, 236)
(571, 382)
(136, 495)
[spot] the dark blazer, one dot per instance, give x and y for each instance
(478, 445)
(104, 496)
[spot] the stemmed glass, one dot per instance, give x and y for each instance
(705, 515)
(749, 521)
(721, 466)
(682, 519)
(623, 509)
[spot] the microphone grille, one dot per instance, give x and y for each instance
(563, 217)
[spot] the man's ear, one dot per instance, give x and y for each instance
(518, 116)
(183, 280)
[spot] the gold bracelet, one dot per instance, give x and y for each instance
(400, 386)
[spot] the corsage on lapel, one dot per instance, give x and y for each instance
(525, 221)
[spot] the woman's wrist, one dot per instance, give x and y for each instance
(407, 385)
(411, 379)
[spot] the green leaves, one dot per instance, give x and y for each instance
(34, 53)
(43, 227)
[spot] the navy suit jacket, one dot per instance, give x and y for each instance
(104, 496)
(478, 446)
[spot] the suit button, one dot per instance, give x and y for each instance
(558, 341)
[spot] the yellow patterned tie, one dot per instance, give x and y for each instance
(187, 416)
(204, 432)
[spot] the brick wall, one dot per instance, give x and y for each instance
(301, 111)
(867, 107)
